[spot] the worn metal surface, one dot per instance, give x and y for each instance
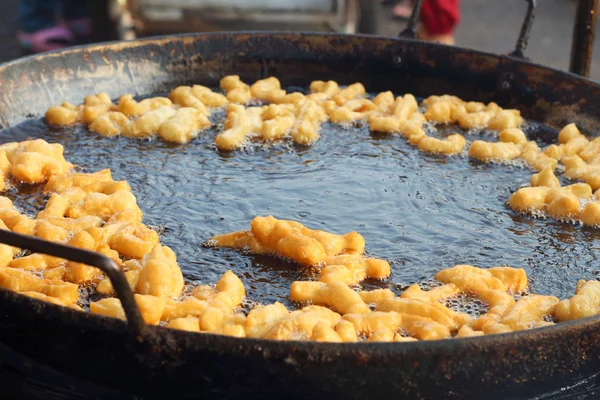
(175, 364)
(29, 86)
(583, 37)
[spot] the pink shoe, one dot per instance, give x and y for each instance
(81, 27)
(54, 38)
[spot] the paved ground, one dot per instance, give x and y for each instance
(491, 25)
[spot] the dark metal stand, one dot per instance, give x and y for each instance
(583, 37)
(583, 33)
(411, 29)
(523, 39)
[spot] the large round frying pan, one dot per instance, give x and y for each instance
(108, 358)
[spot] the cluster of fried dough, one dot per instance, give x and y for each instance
(469, 115)
(546, 195)
(175, 119)
(95, 212)
(31, 161)
(88, 211)
(578, 201)
(451, 109)
(340, 257)
(291, 115)
(512, 144)
(574, 150)
(340, 314)
(184, 113)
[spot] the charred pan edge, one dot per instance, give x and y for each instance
(99, 349)
(29, 86)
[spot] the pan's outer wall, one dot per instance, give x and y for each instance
(182, 365)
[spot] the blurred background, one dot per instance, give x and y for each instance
(490, 25)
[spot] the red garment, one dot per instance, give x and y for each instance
(440, 17)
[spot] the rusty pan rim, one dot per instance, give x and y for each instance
(505, 339)
(116, 45)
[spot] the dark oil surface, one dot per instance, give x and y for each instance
(421, 212)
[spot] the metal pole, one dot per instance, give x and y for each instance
(583, 37)
(523, 39)
(411, 27)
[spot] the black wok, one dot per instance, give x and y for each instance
(107, 358)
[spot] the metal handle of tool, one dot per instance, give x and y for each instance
(582, 45)
(523, 39)
(519, 51)
(105, 264)
(411, 28)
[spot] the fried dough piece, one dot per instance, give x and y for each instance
(585, 303)
(105, 286)
(505, 119)
(35, 161)
(528, 199)
(160, 274)
(545, 178)
(498, 151)
(134, 240)
(532, 154)
(189, 324)
(590, 215)
(423, 328)
(64, 115)
(22, 281)
(109, 124)
(465, 331)
(447, 274)
(367, 324)
(436, 294)
(183, 126)
(515, 279)
(300, 325)
(148, 124)
(133, 109)
(237, 91)
(309, 117)
(151, 308)
(299, 243)
(53, 300)
(214, 308)
(238, 125)
(435, 311)
(376, 296)
(262, 318)
(229, 290)
(268, 89)
(499, 303)
(105, 206)
(512, 135)
(529, 312)
(335, 295)
(348, 93)
(453, 144)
